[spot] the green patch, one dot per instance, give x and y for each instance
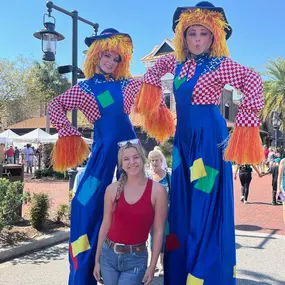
(178, 82)
(206, 183)
(105, 99)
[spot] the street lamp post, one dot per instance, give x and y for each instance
(276, 123)
(49, 37)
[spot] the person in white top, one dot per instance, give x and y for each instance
(28, 151)
(164, 163)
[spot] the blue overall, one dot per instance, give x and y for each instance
(88, 204)
(201, 216)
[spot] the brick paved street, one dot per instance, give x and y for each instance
(258, 215)
(56, 190)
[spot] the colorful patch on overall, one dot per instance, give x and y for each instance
(178, 82)
(197, 170)
(206, 183)
(74, 259)
(80, 245)
(192, 280)
(89, 187)
(172, 242)
(166, 228)
(105, 99)
(176, 158)
(235, 271)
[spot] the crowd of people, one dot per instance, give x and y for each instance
(29, 155)
(272, 164)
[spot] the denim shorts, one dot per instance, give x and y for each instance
(122, 269)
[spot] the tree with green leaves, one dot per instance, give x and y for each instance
(44, 83)
(26, 88)
(12, 85)
(274, 88)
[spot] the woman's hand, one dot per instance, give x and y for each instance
(235, 177)
(97, 272)
(148, 276)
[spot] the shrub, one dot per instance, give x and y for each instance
(38, 174)
(63, 211)
(47, 172)
(167, 148)
(11, 199)
(169, 161)
(39, 210)
(60, 175)
(47, 155)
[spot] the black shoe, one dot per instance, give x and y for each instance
(276, 204)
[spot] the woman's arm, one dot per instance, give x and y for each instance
(236, 172)
(158, 121)
(160, 214)
(130, 92)
(79, 96)
(256, 170)
(245, 146)
(74, 98)
(106, 223)
(105, 226)
(280, 177)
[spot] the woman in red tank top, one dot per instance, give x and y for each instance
(132, 206)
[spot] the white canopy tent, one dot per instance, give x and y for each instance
(88, 141)
(8, 137)
(35, 136)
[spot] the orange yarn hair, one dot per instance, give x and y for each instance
(119, 44)
(213, 21)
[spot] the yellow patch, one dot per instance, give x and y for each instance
(80, 245)
(197, 170)
(235, 271)
(192, 280)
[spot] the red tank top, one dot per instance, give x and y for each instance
(131, 223)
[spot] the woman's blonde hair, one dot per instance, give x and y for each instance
(155, 153)
(119, 44)
(212, 20)
(124, 177)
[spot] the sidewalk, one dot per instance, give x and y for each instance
(259, 262)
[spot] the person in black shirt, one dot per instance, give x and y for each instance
(245, 179)
(274, 171)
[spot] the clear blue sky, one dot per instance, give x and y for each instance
(258, 27)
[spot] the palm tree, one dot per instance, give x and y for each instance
(274, 89)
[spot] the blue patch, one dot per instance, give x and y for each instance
(89, 187)
(85, 85)
(124, 84)
(213, 64)
(176, 158)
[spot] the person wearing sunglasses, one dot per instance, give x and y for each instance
(105, 98)
(200, 247)
(132, 206)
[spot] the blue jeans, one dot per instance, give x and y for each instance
(122, 269)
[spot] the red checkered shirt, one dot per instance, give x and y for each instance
(82, 98)
(208, 89)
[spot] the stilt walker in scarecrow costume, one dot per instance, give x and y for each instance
(200, 245)
(105, 98)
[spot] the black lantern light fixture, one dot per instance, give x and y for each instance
(49, 36)
(276, 123)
